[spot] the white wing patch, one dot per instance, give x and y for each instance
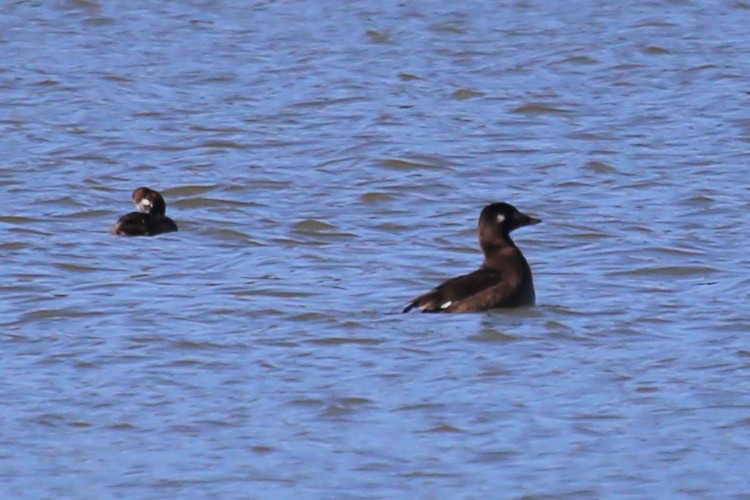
(446, 305)
(500, 217)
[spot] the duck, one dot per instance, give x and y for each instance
(504, 279)
(149, 220)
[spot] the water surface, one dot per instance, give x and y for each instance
(327, 162)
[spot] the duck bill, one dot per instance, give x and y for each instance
(525, 220)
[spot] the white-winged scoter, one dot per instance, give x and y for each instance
(504, 280)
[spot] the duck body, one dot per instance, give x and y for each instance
(140, 224)
(503, 280)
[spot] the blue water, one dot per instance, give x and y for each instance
(326, 163)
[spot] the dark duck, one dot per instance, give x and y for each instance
(504, 280)
(149, 220)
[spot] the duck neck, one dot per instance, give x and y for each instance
(158, 209)
(493, 243)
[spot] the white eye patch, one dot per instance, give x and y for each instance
(500, 218)
(446, 305)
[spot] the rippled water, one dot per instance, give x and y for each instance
(326, 162)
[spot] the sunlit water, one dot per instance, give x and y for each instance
(326, 162)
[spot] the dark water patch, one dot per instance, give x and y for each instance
(123, 426)
(227, 235)
(13, 246)
(118, 78)
(217, 129)
(677, 251)
(308, 402)
(408, 165)
(580, 60)
(675, 271)
(47, 83)
(425, 474)
(319, 103)
(53, 420)
(494, 372)
(377, 197)
(312, 226)
(311, 317)
(493, 336)
(443, 428)
(80, 424)
(465, 94)
(333, 341)
(167, 148)
(420, 407)
(201, 202)
(655, 50)
(222, 144)
(185, 362)
(388, 227)
(189, 191)
(269, 292)
(190, 345)
(539, 108)
(89, 214)
(451, 28)
(223, 78)
(599, 167)
(378, 36)
(75, 268)
(324, 231)
(51, 314)
(86, 365)
(495, 456)
(701, 199)
(354, 401)
(99, 21)
(336, 411)
(19, 220)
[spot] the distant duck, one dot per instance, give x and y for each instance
(149, 220)
(504, 280)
